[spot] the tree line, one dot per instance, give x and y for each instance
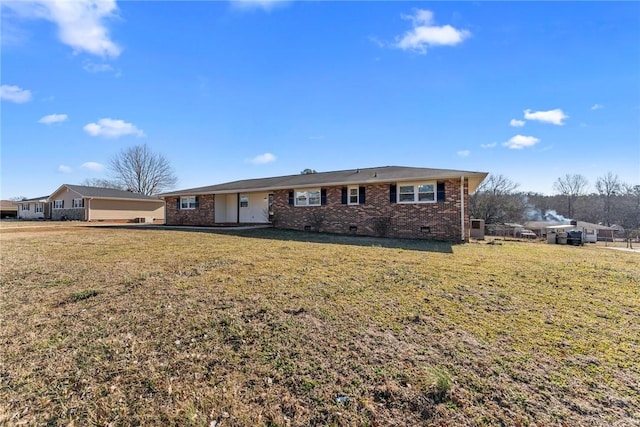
(611, 201)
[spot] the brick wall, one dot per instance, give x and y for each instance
(205, 214)
(378, 216)
(70, 214)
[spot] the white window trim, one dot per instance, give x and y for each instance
(307, 190)
(24, 206)
(39, 208)
(77, 203)
(244, 199)
(58, 202)
(416, 186)
(357, 188)
(188, 205)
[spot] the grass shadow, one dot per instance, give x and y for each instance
(341, 239)
(313, 237)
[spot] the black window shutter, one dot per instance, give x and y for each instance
(441, 192)
(63, 203)
(197, 202)
(344, 195)
(392, 193)
(361, 195)
(323, 196)
(290, 198)
(178, 203)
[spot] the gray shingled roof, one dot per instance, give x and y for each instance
(352, 176)
(106, 193)
(35, 199)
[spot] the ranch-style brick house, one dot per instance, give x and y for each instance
(82, 203)
(391, 201)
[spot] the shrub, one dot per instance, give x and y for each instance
(382, 225)
(436, 383)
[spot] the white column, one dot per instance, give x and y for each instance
(462, 207)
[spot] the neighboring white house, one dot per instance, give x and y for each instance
(36, 208)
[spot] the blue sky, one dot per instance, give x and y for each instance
(235, 90)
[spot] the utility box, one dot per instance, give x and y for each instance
(562, 238)
(477, 229)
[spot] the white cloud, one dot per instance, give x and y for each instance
(15, 94)
(377, 41)
(490, 145)
(92, 67)
(110, 128)
(258, 4)
(597, 107)
(53, 118)
(81, 23)
(424, 34)
(555, 117)
(464, 153)
(64, 169)
(94, 166)
(517, 123)
(262, 159)
(519, 142)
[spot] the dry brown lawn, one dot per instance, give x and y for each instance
(116, 326)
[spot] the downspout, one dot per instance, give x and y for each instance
(88, 215)
(238, 208)
(462, 208)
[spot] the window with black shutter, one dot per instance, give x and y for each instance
(178, 203)
(197, 204)
(362, 195)
(441, 194)
(392, 193)
(323, 196)
(189, 202)
(344, 195)
(291, 199)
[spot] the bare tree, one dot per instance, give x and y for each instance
(102, 183)
(495, 201)
(140, 170)
(630, 211)
(608, 187)
(571, 186)
(308, 171)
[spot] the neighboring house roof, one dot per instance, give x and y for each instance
(8, 205)
(346, 177)
(35, 199)
(557, 225)
(104, 193)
